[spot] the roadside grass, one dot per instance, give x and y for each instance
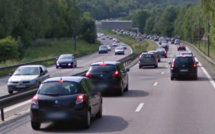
(137, 47)
(50, 49)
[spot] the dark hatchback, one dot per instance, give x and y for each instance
(181, 48)
(162, 52)
(66, 98)
(66, 60)
(184, 66)
(109, 76)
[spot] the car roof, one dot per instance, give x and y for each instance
(66, 54)
(65, 78)
(32, 66)
(106, 62)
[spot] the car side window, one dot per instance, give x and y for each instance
(85, 86)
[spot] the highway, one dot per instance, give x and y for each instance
(153, 105)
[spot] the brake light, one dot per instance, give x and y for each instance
(183, 56)
(102, 64)
(116, 74)
(88, 75)
(194, 65)
(60, 81)
(165, 52)
(80, 99)
(172, 66)
(34, 100)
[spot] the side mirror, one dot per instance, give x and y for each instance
(197, 62)
(10, 74)
(170, 63)
(127, 69)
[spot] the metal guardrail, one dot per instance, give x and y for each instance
(9, 100)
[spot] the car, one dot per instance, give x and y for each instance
(186, 53)
(156, 55)
(67, 98)
(119, 50)
(162, 52)
(172, 41)
(109, 47)
(165, 46)
(66, 60)
(27, 77)
(183, 66)
(103, 49)
(181, 47)
(160, 40)
(114, 44)
(177, 42)
(147, 59)
(123, 45)
(109, 76)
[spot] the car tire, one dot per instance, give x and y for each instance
(126, 88)
(57, 67)
(87, 120)
(156, 66)
(165, 56)
(140, 67)
(35, 125)
(159, 60)
(10, 91)
(172, 78)
(99, 114)
(121, 91)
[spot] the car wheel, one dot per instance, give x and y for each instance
(140, 67)
(121, 91)
(57, 67)
(35, 125)
(10, 91)
(172, 78)
(156, 66)
(159, 60)
(126, 88)
(87, 120)
(99, 114)
(165, 56)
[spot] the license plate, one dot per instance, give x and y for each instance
(56, 115)
(184, 70)
(102, 86)
(20, 86)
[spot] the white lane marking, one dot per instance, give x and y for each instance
(1, 91)
(139, 107)
(162, 73)
(18, 105)
(166, 66)
(131, 50)
(155, 84)
(207, 74)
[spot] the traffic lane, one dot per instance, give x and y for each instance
(83, 64)
(118, 111)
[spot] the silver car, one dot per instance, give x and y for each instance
(26, 77)
(119, 50)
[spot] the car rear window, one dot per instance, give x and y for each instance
(59, 88)
(102, 68)
(179, 61)
(147, 56)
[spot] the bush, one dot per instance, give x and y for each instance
(8, 49)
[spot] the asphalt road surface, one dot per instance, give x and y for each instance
(153, 105)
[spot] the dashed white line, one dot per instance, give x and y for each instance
(155, 84)
(18, 105)
(162, 72)
(139, 107)
(166, 66)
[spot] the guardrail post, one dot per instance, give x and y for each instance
(2, 114)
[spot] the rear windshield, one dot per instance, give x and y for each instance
(59, 88)
(147, 56)
(103, 68)
(179, 61)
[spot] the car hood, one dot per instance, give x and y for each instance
(23, 77)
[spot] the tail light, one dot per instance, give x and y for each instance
(116, 74)
(194, 65)
(80, 99)
(88, 75)
(172, 66)
(34, 100)
(165, 52)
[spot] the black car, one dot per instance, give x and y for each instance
(165, 46)
(172, 41)
(184, 66)
(66, 60)
(66, 98)
(181, 48)
(162, 52)
(109, 76)
(156, 55)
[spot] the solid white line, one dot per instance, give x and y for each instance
(131, 50)
(207, 74)
(156, 83)
(18, 105)
(139, 107)
(162, 73)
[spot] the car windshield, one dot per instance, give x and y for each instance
(65, 57)
(59, 88)
(27, 71)
(147, 56)
(103, 68)
(179, 61)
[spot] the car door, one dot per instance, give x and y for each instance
(91, 96)
(43, 73)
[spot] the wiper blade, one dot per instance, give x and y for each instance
(51, 94)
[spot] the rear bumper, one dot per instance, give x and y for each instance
(184, 75)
